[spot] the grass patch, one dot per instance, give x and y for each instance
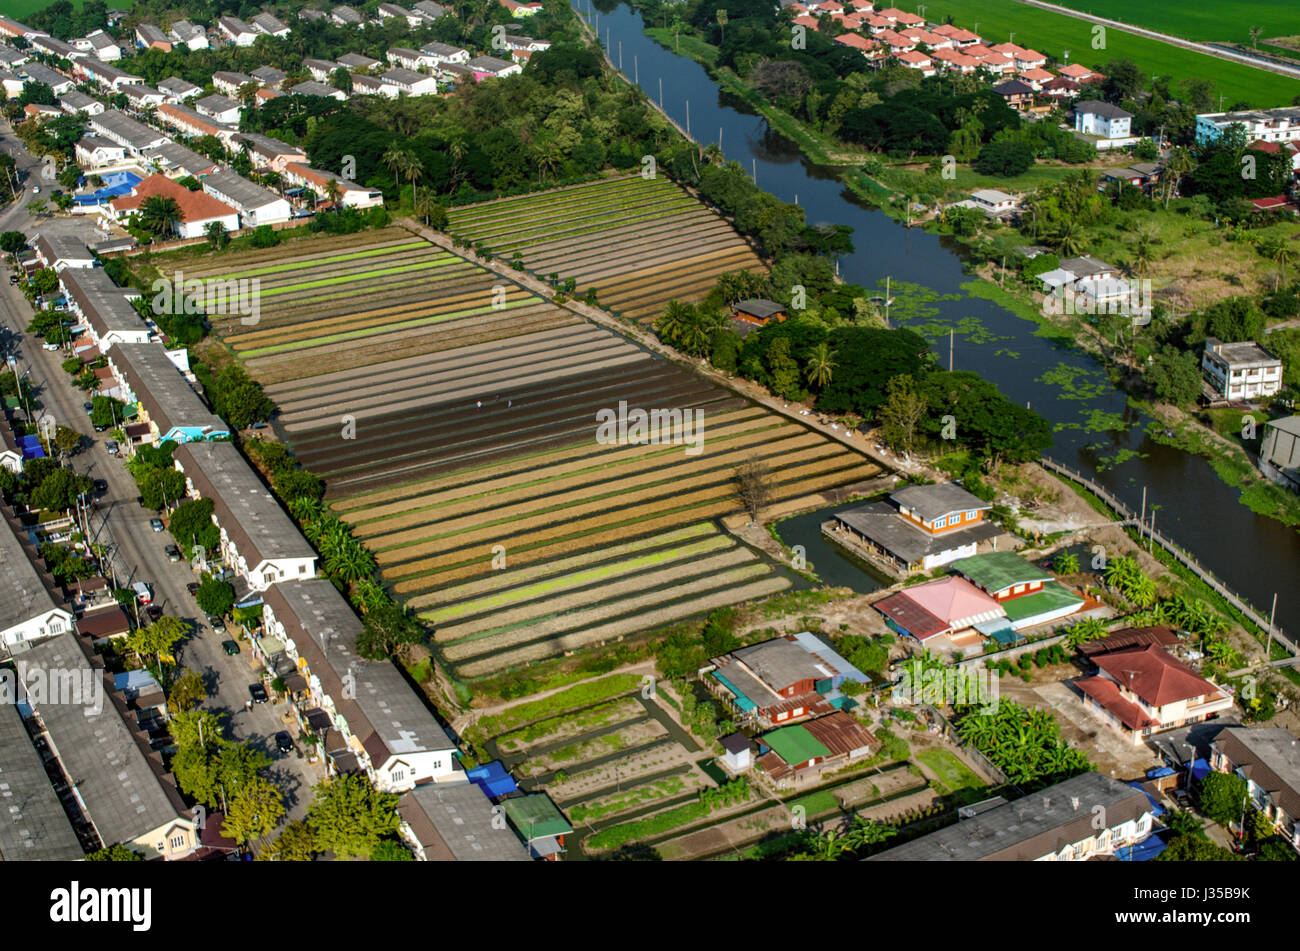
(582, 695)
(952, 772)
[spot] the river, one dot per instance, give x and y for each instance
(1254, 555)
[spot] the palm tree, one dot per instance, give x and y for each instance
(547, 155)
(335, 192)
(1255, 31)
(1143, 252)
(413, 169)
(697, 330)
(425, 205)
(670, 324)
(1067, 239)
(821, 364)
(160, 215)
(395, 160)
(1179, 164)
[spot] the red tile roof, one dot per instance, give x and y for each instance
(1106, 694)
(195, 206)
(1155, 676)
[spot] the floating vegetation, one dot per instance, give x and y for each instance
(1077, 383)
(1004, 352)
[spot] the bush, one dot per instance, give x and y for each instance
(264, 236)
(1007, 159)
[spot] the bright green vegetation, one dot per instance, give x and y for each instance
(952, 772)
(581, 695)
(330, 259)
(734, 793)
(1201, 20)
(627, 799)
(593, 718)
(691, 46)
(1054, 33)
(18, 9)
(1025, 743)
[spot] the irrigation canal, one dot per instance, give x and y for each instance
(1097, 432)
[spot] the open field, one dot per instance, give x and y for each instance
(454, 418)
(1054, 33)
(638, 242)
(1200, 20)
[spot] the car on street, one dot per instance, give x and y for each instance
(257, 692)
(156, 524)
(36, 190)
(101, 485)
(214, 622)
(192, 587)
(49, 345)
(153, 611)
(111, 447)
(88, 407)
(230, 647)
(284, 742)
(143, 593)
(13, 279)
(173, 553)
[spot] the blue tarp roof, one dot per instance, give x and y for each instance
(31, 447)
(119, 183)
(493, 779)
(1156, 808)
(1200, 768)
(1159, 772)
(1144, 851)
(135, 680)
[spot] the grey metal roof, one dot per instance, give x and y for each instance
(346, 14)
(106, 71)
(1287, 424)
(312, 88)
(215, 103)
(1039, 824)
(460, 815)
(268, 23)
(1086, 265)
(931, 501)
(40, 73)
(72, 99)
(103, 303)
(160, 388)
(151, 33)
(356, 61)
(234, 25)
(61, 247)
(242, 504)
(489, 64)
(267, 146)
(780, 663)
(760, 308)
(441, 49)
(238, 191)
(186, 30)
(227, 76)
(269, 75)
(138, 92)
(34, 827)
(881, 524)
(175, 86)
(324, 629)
(23, 594)
(1098, 108)
(174, 155)
(403, 77)
(124, 793)
(136, 136)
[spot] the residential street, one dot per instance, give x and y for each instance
(118, 519)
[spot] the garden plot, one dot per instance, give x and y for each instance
(556, 729)
(680, 785)
(631, 736)
(638, 242)
(649, 761)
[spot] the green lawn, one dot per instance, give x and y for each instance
(1203, 20)
(951, 771)
(1054, 33)
(21, 8)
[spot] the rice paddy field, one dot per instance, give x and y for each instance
(639, 242)
(1200, 20)
(453, 417)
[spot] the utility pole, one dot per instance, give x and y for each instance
(620, 56)
(688, 118)
(1268, 649)
(951, 347)
(1142, 519)
(755, 166)
(1152, 537)
(636, 71)
(886, 300)
(661, 93)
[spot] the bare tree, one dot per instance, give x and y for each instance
(753, 485)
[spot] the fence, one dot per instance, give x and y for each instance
(1187, 560)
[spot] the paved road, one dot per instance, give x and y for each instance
(140, 552)
(1217, 52)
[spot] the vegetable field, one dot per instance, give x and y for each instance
(638, 242)
(453, 417)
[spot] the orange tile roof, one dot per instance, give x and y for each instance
(1155, 676)
(195, 206)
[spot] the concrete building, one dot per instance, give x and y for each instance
(1239, 371)
(1267, 125)
(1279, 451)
(256, 205)
(28, 611)
(165, 400)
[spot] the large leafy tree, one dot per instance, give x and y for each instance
(160, 215)
(253, 812)
(388, 631)
(1222, 796)
(349, 817)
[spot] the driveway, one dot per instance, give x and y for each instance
(118, 520)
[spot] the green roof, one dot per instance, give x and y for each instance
(1053, 597)
(535, 816)
(794, 744)
(996, 570)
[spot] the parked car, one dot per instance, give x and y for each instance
(230, 647)
(192, 587)
(48, 345)
(88, 407)
(214, 622)
(101, 485)
(156, 524)
(153, 611)
(284, 742)
(173, 553)
(13, 279)
(143, 593)
(111, 447)
(257, 692)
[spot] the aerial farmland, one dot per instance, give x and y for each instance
(451, 413)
